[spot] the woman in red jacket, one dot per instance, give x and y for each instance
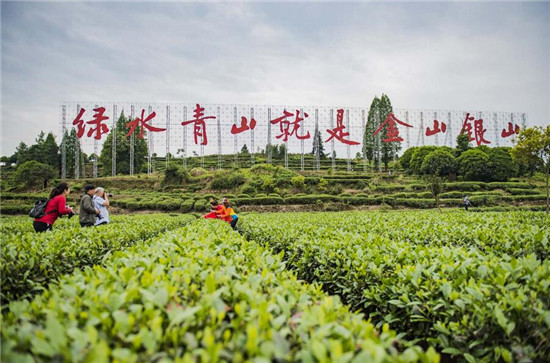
(57, 206)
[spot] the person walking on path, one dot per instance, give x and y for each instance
(466, 203)
(56, 207)
(101, 202)
(87, 211)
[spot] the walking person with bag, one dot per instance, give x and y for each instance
(56, 206)
(88, 213)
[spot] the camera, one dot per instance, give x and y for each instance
(110, 195)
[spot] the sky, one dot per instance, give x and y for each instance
(491, 56)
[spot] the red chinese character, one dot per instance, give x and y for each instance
(436, 128)
(392, 133)
(78, 121)
(338, 131)
(478, 129)
(512, 129)
(100, 128)
(285, 125)
(244, 126)
(142, 123)
(199, 125)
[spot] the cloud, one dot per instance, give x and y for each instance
(424, 55)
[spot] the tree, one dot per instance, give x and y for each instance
(462, 143)
(34, 174)
(22, 154)
(123, 149)
(50, 152)
(369, 140)
(418, 156)
(533, 146)
(318, 145)
(72, 147)
(389, 149)
(501, 164)
(474, 165)
(405, 159)
(439, 163)
(244, 150)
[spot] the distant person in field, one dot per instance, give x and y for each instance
(466, 203)
(57, 206)
(101, 202)
(88, 213)
(230, 215)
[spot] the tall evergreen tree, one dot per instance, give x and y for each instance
(318, 145)
(22, 153)
(70, 140)
(50, 152)
(369, 139)
(389, 149)
(123, 149)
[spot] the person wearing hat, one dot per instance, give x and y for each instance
(88, 213)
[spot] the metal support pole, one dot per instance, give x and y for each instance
(407, 128)
(269, 151)
(449, 133)
(235, 139)
(77, 152)
(317, 142)
(63, 142)
(332, 141)
(184, 141)
(96, 155)
(113, 145)
(149, 147)
(495, 125)
(167, 135)
(132, 143)
(347, 146)
(252, 158)
(219, 138)
(302, 145)
(436, 135)
(364, 123)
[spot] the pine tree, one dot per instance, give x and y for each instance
(369, 139)
(50, 152)
(318, 145)
(71, 146)
(123, 149)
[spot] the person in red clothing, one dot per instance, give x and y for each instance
(215, 211)
(57, 206)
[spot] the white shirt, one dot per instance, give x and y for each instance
(99, 204)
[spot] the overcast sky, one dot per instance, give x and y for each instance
(460, 55)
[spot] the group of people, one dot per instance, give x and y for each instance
(223, 211)
(93, 207)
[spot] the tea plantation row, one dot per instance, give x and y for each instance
(200, 293)
(476, 286)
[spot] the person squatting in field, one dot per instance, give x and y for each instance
(223, 211)
(56, 207)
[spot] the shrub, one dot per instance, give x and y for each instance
(474, 165)
(34, 174)
(298, 182)
(197, 172)
(248, 189)
(501, 165)
(175, 175)
(418, 158)
(439, 162)
(187, 205)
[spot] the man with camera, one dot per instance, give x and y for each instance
(88, 213)
(101, 202)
